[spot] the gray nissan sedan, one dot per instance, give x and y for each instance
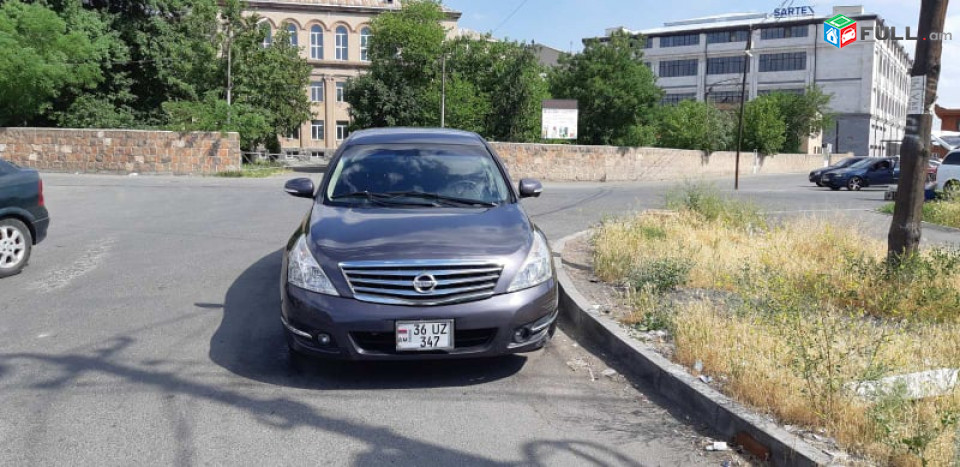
(416, 246)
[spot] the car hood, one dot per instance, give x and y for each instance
(340, 234)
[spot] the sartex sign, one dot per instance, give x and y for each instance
(793, 11)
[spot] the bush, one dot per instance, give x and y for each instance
(661, 275)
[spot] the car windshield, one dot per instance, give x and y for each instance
(863, 163)
(848, 162)
(417, 174)
(951, 140)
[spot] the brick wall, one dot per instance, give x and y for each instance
(560, 162)
(120, 151)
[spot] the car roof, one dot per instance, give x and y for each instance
(414, 136)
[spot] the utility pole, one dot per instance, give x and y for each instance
(229, 69)
(904, 236)
(743, 100)
(443, 90)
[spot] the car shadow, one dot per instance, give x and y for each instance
(250, 343)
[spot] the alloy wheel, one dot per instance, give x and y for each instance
(13, 247)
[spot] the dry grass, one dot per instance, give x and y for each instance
(817, 308)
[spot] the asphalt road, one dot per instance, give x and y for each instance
(145, 331)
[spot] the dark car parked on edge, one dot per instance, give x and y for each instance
(871, 171)
(416, 246)
(23, 217)
(816, 175)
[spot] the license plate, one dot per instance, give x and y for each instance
(425, 335)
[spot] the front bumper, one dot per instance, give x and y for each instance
(365, 331)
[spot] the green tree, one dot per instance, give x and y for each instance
(763, 127)
(173, 53)
(404, 54)
(268, 93)
(695, 125)
(510, 79)
(616, 91)
(492, 87)
(271, 79)
(213, 114)
(805, 115)
(41, 57)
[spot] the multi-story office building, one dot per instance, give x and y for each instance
(333, 37)
(703, 59)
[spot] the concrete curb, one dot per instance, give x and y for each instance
(673, 382)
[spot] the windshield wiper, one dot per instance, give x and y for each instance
(448, 200)
(383, 199)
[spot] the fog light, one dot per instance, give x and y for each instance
(521, 334)
(323, 339)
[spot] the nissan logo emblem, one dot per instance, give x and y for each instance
(424, 283)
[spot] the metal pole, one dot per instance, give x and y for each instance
(229, 68)
(443, 91)
(743, 99)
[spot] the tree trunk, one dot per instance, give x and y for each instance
(904, 237)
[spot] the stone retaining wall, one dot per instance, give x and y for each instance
(559, 162)
(120, 151)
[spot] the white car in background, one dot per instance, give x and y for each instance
(948, 174)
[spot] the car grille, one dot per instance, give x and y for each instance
(393, 282)
(386, 342)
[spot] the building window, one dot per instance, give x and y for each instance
(316, 91)
(268, 34)
(790, 61)
(764, 92)
(292, 30)
(316, 43)
(674, 68)
(674, 99)
(723, 37)
(680, 40)
(342, 48)
(294, 134)
(724, 97)
(647, 42)
(784, 32)
(341, 92)
(342, 130)
(726, 65)
(365, 44)
(316, 130)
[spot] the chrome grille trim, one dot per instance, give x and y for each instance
(391, 282)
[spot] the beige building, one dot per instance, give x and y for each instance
(332, 36)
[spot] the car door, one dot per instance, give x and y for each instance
(881, 173)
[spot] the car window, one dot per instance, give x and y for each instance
(952, 159)
(459, 171)
(864, 163)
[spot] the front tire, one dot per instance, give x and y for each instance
(820, 184)
(16, 243)
(855, 184)
(951, 189)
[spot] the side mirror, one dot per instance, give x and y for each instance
(530, 187)
(299, 187)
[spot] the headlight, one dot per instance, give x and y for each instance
(304, 272)
(537, 268)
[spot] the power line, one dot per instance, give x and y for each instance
(524, 2)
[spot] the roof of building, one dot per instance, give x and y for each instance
(400, 135)
(360, 5)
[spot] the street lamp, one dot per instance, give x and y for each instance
(743, 99)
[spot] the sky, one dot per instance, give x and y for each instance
(562, 24)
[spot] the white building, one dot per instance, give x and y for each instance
(869, 79)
